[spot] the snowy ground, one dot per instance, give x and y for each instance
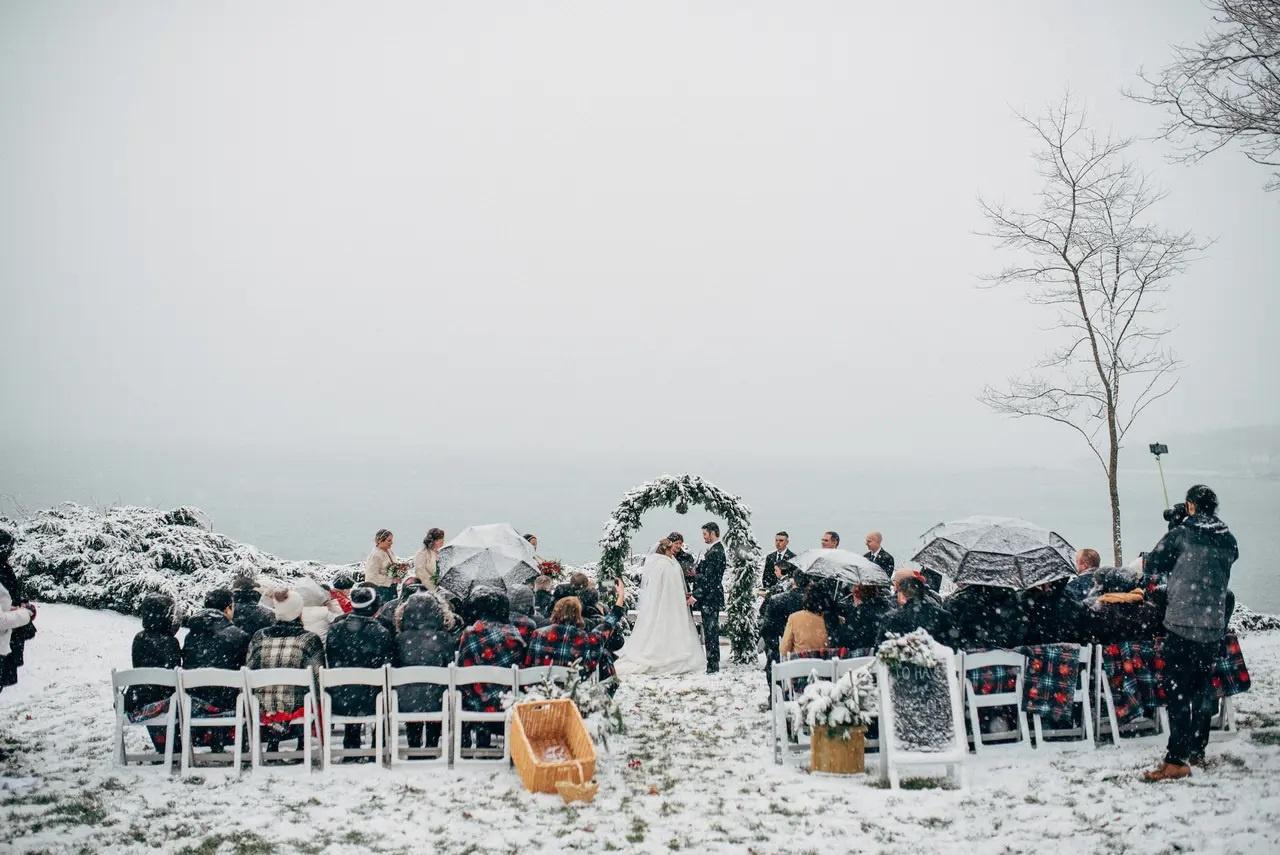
(704, 781)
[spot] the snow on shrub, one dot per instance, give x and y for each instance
(1245, 619)
(112, 559)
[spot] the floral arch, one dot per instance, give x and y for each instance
(740, 547)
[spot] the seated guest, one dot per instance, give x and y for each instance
(423, 638)
(214, 641)
(250, 614)
(783, 600)
(567, 640)
(357, 640)
(1120, 609)
(1087, 561)
(522, 611)
(915, 610)
(424, 560)
(1053, 616)
(340, 591)
(542, 599)
(156, 646)
(491, 639)
(807, 628)
(382, 568)
(386, 612)
(984, 616)
(284, 644)
(855, 621)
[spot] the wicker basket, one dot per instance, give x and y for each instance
(830, 752)
(550, 745)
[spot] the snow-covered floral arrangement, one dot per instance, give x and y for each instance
(914, 648)
(554, 569)
(600, 712)
(849, 702)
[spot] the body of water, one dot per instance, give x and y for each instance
(327, 506)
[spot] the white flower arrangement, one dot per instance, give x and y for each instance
(849, 702)
(914, 648)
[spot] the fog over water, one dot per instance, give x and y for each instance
(322, 267)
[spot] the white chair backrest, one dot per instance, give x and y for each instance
(144, 677)
(844, 666)
(409, 675)
(483, 674)
(262, 677)
(534, 676)
(792, 669)
(330, 677)
(223, 678)
(988, 658)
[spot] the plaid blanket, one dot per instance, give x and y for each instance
(155, 710)
(830, 653)
(1135, 672)
(1048, 688)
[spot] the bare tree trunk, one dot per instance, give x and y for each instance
(1113, 487)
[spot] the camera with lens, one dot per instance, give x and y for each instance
(1175, 515)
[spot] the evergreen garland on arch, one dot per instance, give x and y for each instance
(740, 547)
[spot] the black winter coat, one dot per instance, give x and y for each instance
(250, 615)
(355, 641)
(152, 649)
(1055, 617)
(422, 640)
(1196, 558)
(917, 614)
(774, 613)
(856, 626)
(985, 616)
(214, 642)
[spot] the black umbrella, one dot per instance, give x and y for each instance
(1003, 552)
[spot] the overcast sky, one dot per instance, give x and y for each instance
(544, 227)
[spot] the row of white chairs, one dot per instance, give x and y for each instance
(1098, 718)
(182, 712)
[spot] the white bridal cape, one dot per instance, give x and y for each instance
(664, 640)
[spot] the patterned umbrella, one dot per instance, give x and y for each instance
(492, 554)
(1004, 552)
(841, 565)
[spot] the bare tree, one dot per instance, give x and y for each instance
(1087, 248)
(1226, 88)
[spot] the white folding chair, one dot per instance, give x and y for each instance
(1223, 725)
(333, 678)
(1066, 737)
(397, 679)
(951, 757)
(262, 678)
(782, 688)
(1005, 698)
(120, 683)
(220, 678)
(1106, 723)
(537, 675)
(486, 675)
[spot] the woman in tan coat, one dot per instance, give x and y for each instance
(806, 629)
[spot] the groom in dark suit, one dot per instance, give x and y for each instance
(708, 592)
(772, 573)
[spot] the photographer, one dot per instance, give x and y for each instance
(1195, 558)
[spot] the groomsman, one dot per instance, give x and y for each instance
(708, 592)
(772, 572)
(876, 555)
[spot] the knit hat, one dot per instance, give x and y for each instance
(287, 605)
(364, 600)
(343, 581)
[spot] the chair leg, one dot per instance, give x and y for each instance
(169, 734)
(240, 732)
(973, 723)
(185, 731)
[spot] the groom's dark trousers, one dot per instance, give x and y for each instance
(708, 589)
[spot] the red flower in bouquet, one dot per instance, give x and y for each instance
(551, 568)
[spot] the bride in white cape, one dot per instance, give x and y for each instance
(664, 640)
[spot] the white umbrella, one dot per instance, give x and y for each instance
(841, 565)
(494, 554)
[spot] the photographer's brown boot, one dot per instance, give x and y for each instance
(1167, 772)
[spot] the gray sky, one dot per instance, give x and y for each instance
(518, 227)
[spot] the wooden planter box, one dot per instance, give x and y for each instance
(831, 753)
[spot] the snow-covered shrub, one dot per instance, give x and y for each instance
(850, 701)
(1245, 619)
(600, 712)
(112, 559)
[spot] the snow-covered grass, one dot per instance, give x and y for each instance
(693, 773)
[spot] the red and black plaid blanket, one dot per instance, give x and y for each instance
(830, 653)
(1048, 689)
(1135, 672)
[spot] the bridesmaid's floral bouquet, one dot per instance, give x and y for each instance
(554, 569)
